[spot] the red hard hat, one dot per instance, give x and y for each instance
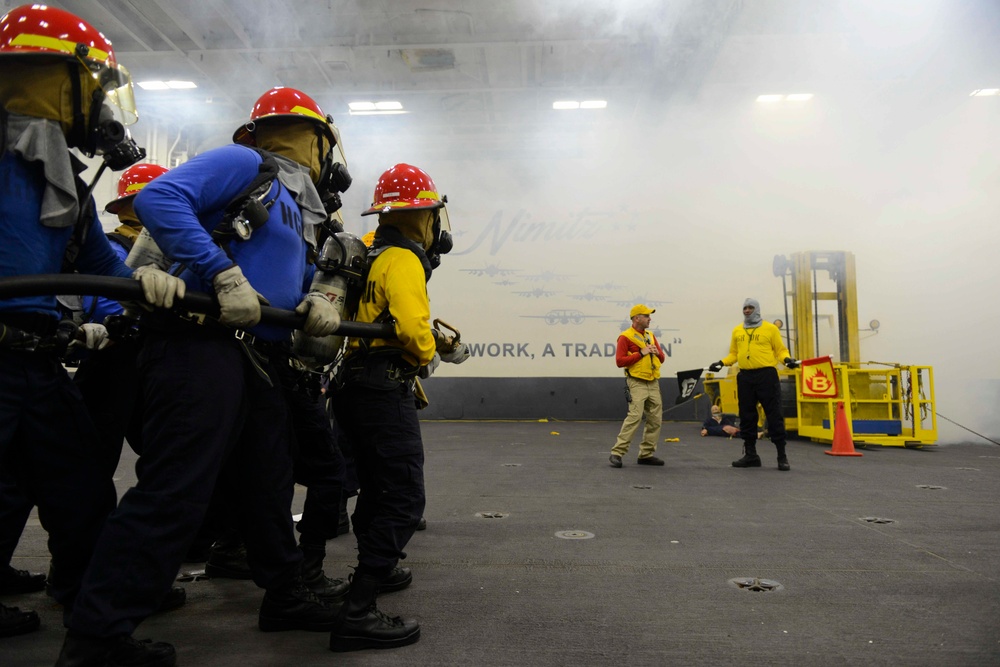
(132, 181)
(39, 30)
(404, 186)
(284, 103)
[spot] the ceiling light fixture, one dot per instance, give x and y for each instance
(985, 92)
(791, 97)
(375, 108)
(565, 105)
(167, 85)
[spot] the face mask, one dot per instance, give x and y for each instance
(333, 179)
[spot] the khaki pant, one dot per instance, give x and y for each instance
(646, 406)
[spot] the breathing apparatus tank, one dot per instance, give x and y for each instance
(340, 271)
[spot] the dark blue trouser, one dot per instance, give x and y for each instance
(108, 383)
(207, 417)
(383, 428)
(48, 449)
(760, 385)
(319, 464)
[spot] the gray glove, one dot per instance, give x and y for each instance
(322, 319)
(790, 363)
(159, 287)
(238, 301)
(715, 367)
(426, 371)
(95, 336)
(461, 353)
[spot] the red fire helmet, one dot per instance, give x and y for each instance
(132, 181)
(288, 103)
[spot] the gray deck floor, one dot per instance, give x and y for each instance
(653, 585)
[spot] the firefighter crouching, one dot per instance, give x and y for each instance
(375, 404)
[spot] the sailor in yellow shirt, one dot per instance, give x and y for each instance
(757, 347)
(376, 407)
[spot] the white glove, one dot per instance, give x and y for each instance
(322, 318)
(428, 370)
(95, 336)
(238, 301)
(159, 287)
(461, 353)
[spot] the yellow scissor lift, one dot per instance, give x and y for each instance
(885, 403)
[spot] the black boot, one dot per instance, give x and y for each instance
(362, 625)
(13, 621)
(398, 579)
(174, 599)
(750, 458)
(15, 582)
(227, 559)
(330, 591)
(295, 607)
(782, 459)
(125, 651)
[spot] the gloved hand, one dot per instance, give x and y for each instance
(426, 371)
(322, 319)
(461, 353)
(715, 367)
(159, 287)
(92, 336)
(790, 363)
(238, 301)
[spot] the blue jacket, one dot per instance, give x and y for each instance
(715, 428)
(104, 307)
(28, 248)
(182, 207)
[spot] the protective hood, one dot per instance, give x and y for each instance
(753, 319)
(293, 176)
(296, 141)
(43, 90)
(416, 225)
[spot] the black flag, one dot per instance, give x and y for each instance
(687, 381)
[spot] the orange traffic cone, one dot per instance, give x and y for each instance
(843, 444)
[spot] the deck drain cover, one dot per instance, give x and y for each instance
(877, 519)
(574, 535)
(641, 486)
(492, 515)
(511, 465)
(756, 585)
(932, 487)
(187, 576)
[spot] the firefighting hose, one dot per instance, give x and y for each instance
(127, 289)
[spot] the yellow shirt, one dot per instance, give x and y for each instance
(396, 281)
(758, 347)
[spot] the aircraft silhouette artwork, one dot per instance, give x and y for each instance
(641, 299)
(536, 293)
(589, 296)
(562, 316)
(546, 276)
(491, 270)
